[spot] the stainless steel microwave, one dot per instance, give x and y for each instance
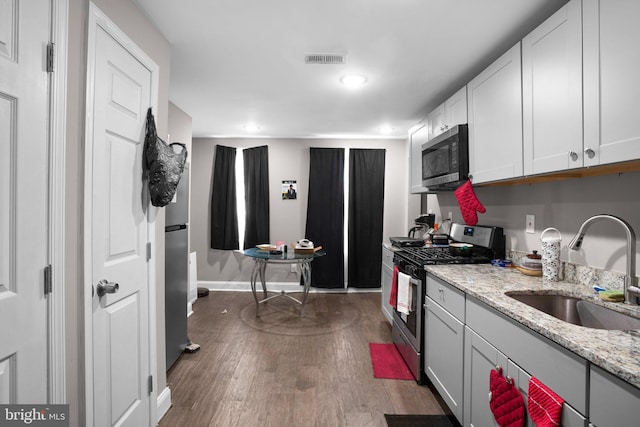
(445, 159)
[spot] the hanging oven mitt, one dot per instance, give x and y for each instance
(545, 407)
(469, 203)
(505, 401)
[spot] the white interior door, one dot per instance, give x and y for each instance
(120, 91)
(24, 33)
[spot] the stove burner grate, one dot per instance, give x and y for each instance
(439, 255)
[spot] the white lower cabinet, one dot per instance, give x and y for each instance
(465, 339)
(480, 358)
(444, 355)
(492, 339)
(612, 402)
(386, 282)
(444, 342)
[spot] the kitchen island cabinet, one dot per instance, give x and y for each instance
(611, 84)
(552, 93)
(495, 120)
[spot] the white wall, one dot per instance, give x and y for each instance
(288, 160)
(563, 205)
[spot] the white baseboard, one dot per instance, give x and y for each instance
(276, 286)
(163, 403)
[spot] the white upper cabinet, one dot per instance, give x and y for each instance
(418, 137)
(448, 114)
(611, 83)
(495, 120)
(552, 93)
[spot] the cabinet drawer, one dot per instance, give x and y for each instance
(561, 370)
(452, 299)
(387, 257)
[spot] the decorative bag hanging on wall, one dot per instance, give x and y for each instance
(163, 164)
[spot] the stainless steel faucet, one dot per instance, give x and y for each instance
(631, 291)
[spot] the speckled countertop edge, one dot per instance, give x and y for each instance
(617, 352)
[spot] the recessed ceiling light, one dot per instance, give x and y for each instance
(353, 81)
(386, 129)
(251, 127)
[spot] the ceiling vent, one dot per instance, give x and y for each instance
(325, 58)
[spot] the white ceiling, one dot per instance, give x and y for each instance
(240, 61)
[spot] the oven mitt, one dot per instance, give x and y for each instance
(505, 401)
(469, 203)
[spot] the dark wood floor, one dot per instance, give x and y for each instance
(283, 370)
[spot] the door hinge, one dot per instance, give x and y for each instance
(150, 384)
(48, 280)
(50, 57)
(148, 251)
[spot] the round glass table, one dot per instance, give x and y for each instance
(262, 258)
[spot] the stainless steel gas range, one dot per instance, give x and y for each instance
(407, 330)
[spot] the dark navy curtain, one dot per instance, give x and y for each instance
(256, 196)
(366, 213)
(325, 215)
(224, 210)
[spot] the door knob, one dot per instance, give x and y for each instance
(105, 287)
(573, 155)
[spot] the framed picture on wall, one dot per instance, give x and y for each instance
(289, 190)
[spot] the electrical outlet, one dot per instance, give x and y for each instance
(294, 268)
(530, 224)
(450, 216)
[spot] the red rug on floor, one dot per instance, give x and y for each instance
(388, 363)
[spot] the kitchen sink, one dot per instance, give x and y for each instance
(577, 311)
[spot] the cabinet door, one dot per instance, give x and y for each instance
(480, 358)
(418, 137)
(444, 344)
(455, 109)
(495, 120)
(387, 279)
(436, 120)
(613, 402)
(552, 92)
(611, 84)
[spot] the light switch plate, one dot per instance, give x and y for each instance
(530, 224)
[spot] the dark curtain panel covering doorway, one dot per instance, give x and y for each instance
(366, 213)
(224, 210)
(325, 215)
(256, 196)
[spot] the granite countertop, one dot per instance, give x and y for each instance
(617, 352)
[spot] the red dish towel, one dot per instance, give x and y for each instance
(545, 407)
(505, 401)
(393, 297)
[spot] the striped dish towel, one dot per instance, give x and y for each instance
(545, 407)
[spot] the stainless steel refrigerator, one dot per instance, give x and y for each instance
(177, 270)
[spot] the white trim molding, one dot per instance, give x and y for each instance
(278, 287)
(163, 403)
(57, 138)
